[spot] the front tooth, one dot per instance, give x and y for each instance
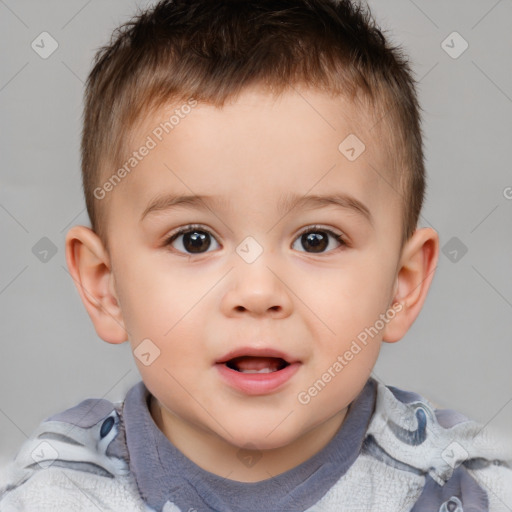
(263, 370)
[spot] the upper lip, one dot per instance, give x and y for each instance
(256, 352)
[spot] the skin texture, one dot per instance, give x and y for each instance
(196, 307)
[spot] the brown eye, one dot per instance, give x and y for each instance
(317, 239)
(191, 240)
(195, 240)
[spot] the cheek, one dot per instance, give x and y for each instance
(164, 307)
(346, 300)
(154, 296)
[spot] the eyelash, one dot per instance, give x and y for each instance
(193, 227)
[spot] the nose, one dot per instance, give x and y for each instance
(257, 289)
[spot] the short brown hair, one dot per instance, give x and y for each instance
(211, 50)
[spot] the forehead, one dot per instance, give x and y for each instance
(259, 151)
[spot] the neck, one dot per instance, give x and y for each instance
(214, 454)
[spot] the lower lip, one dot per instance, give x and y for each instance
(257, 383)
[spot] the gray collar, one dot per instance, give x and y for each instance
(164, 474)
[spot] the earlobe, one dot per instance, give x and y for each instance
(89, 265)
(414, 277)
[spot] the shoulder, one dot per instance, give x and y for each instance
(458, 457)
(72, 460)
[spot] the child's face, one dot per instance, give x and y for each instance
(201, 297)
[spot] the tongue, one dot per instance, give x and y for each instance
(248, 363)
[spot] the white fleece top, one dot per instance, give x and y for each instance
(394, 452)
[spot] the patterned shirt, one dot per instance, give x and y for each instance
(394, 452)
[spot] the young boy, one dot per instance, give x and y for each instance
(253, 172)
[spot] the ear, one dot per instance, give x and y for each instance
(416, 271)
(89, 265)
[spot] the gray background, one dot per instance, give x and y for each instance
(459, 350)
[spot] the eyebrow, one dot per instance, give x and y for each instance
(288, 203)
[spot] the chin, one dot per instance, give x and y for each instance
(262, 438)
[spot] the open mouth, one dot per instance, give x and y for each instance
(257, 370)
(253, 364)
